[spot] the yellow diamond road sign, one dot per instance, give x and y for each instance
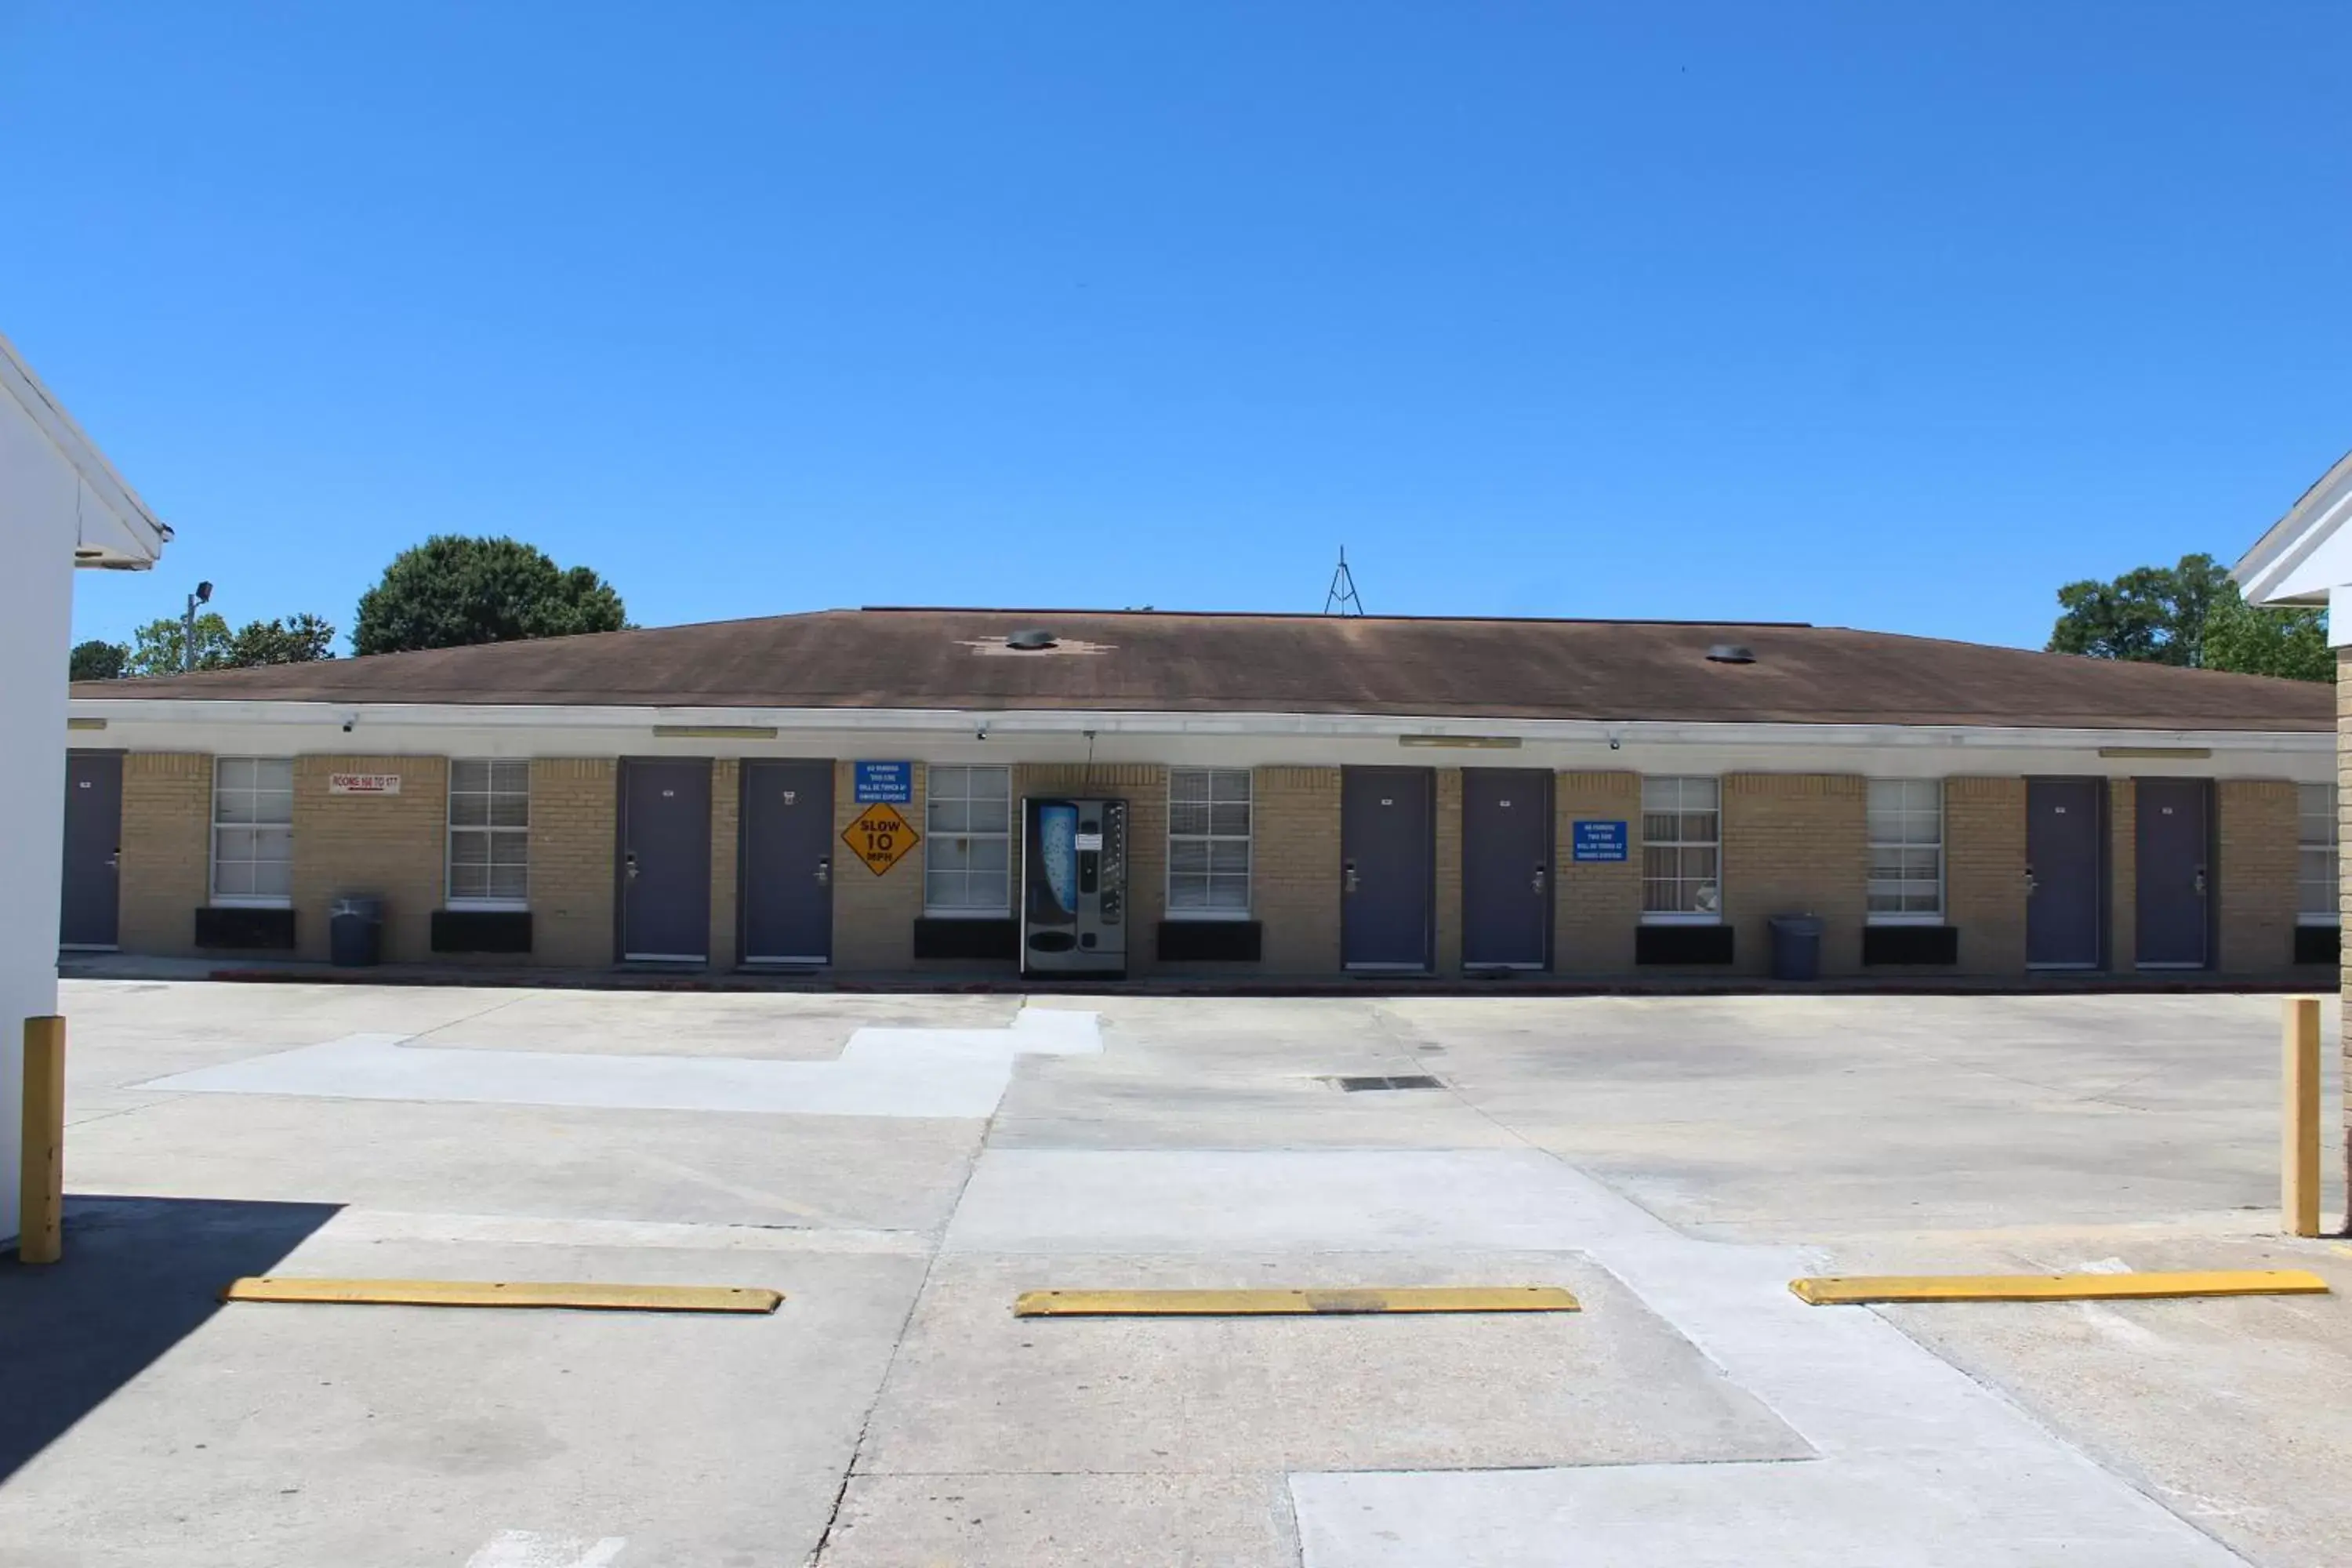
(879, 836)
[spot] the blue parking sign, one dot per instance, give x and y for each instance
(1597, 841)
(885, 783)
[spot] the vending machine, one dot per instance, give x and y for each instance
(1073, 887)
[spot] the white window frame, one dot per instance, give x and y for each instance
(211, 841)
(1211, 838)
(450, 828)
(933, 835)
(2329, 842)
(1909, 812)
(1683, 917)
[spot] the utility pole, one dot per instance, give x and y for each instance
(203, 596)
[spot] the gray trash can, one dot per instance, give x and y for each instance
(355, 932)
(1796, 947)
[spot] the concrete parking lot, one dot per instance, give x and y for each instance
(901, 1166)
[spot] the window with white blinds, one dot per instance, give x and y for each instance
(253, 830)
(489, 835)
(1682, 850)
(1907, 851)
(2317, 898)
(1208, 843)
(967, 848)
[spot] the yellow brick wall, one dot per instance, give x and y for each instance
(166, 867)
(1295, 869)
(1984, 873)
(1145, 786)
(391, 847)
(1599, 902)
(1791, 842)
(574, 817)
(2122, 884)
(1796, 844)
(874, 917)
(2344, 882)
(1446, 803)
(725, 805)
(2259, 822)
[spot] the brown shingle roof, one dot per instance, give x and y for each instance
(1159, 662)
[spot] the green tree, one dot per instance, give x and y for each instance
(156, 648)
(297, 639)
(97, 660)
(451, 590)
(2291, 642)
(292, 639)
(2155, 614)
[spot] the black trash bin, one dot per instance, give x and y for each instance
(1796, 947)
(355, 932)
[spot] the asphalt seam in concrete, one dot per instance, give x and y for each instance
(519, 997)
(849, 1472)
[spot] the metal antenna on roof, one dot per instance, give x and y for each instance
(1341, 599)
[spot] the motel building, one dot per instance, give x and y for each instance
(912, 793)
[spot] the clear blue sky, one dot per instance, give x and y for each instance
(1848, 313)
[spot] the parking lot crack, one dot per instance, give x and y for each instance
(897, 1347)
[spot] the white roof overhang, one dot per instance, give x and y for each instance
(113, 527)
(2306, 554)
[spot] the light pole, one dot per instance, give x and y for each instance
(203, 596)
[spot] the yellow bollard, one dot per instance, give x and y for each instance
(41, 1198)
(2299, 1124)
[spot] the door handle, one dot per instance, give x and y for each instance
(114, 862)
(2201, 881)
(631, 866)
(1347, 876)
(1538, 884)
(2030, 885)
(825, 872)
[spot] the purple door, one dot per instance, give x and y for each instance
(787, 862)
(1387, 866)
(86, 914)
(1506, 868)
(664, 870)
(2171, 850)
(2064, 837)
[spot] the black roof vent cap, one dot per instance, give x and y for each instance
(1731, 653)
(1034, 639)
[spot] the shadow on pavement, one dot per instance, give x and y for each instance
(139, 1275)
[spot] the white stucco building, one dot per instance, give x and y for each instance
(2305, 558)
(62, 506)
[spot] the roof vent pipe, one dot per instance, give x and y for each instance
(1731, 653)
(1035, 641)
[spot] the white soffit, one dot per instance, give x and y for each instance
(2307, 552)
(133, 712)
(115, 528)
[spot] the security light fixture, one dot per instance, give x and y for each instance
(203, 596)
